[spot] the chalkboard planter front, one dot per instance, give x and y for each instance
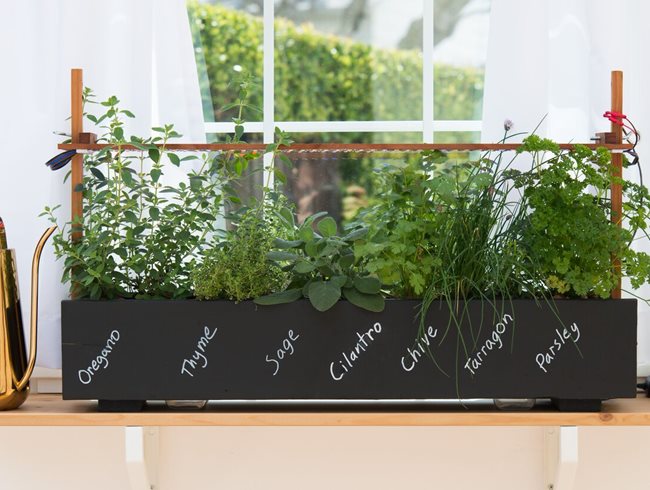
(124, 352)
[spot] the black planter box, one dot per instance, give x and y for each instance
(577, 352)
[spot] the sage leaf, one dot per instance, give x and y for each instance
(281, 256)
(327, 226)
(281, 297)
(323, 294)
(370, 302)
(367, 285)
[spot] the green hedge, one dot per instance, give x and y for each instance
(321, 77)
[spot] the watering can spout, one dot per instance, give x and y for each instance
(36, 262)
(15, 367)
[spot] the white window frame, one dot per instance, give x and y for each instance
(428, 125)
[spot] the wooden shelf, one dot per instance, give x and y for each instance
(349, 147)
(51, 410)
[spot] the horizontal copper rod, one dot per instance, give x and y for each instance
(350, 147)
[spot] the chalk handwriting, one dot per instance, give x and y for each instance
(198, 357)
(421, 347)
(339, 369)
(287, 349)
(86, 375)
(494, 340)
(544, 359)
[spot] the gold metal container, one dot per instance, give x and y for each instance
(15, 367)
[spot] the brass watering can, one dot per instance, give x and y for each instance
(15, 367)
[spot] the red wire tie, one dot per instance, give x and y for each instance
(618, 119)
(615, 117)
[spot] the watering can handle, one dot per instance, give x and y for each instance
(36, 261)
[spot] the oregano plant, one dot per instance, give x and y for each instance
(142, 236)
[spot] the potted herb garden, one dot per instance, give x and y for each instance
(480, 279)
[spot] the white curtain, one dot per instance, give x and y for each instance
(555, 57)
(140, 51)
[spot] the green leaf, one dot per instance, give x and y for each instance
(280, 243)
(482, 180)
(174, 158)
(287, 296)
(118, 133)
(326, 270)
(303, 267)
(305, 288)
(357, 234)
(195, 183)
(306, 234)
(154, 213)
(287, 215)
(154, 154)
(155, 174)
(339, 280)
(323, 295)
(280, 256)
(327, 226)
(130, 216)
(367, 285)
(239, 132)
(312, 249)
(346, 260)
(97, 173)
(127, 177)
(370, 302)
(310, 219)
(280, 175)
(239, 167)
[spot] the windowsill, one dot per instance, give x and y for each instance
(45, 380)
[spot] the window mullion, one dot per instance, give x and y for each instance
(427, 71)
(268, 86)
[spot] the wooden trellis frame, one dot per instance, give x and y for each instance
(83, 141)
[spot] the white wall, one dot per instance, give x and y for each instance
(498, 458)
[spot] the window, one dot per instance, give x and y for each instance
(343, 70)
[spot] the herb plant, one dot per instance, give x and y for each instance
(322, 266)
(479, 222)
(237, 269)
(142, 237)
(403, 228)
(570, 230)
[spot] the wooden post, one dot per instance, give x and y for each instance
(76, 178)
(617, 163)
(77, 171)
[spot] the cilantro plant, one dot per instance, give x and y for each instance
(404, 224)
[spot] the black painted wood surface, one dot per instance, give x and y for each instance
(147, 359)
